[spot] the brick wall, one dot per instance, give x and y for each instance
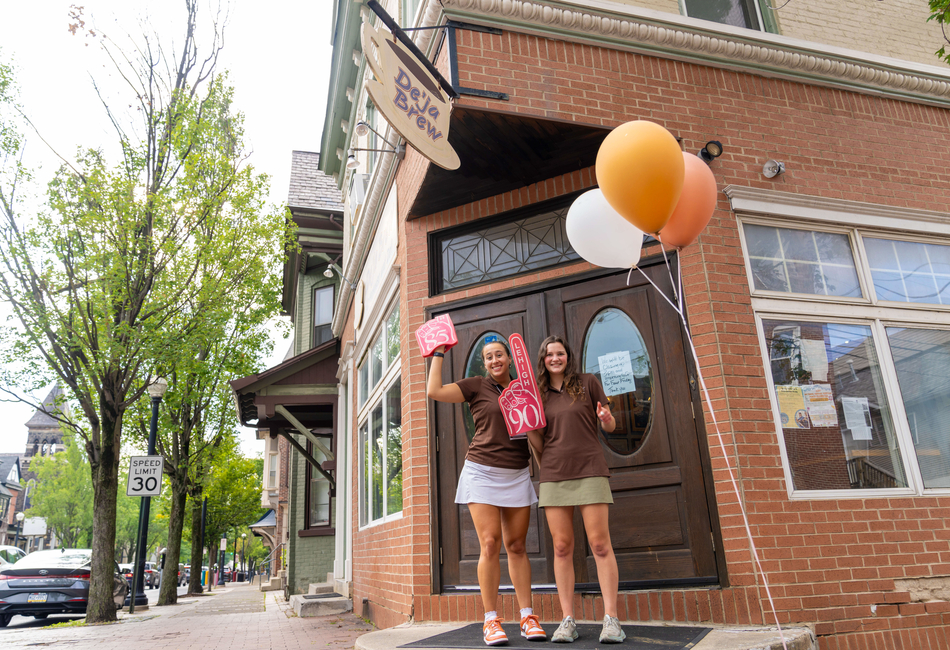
(830, 564)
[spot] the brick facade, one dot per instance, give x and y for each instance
(831, 564)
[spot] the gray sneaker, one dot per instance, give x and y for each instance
(566, 632)
(612, 632)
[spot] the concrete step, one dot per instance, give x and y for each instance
(274, 584)
(326, 604)
(320, 588)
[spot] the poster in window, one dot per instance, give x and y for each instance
(857, 417)
(616, 373)
(820, 404)
(815, 360)
(791, 406)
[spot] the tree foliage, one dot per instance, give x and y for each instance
(132, 267)
(63, 494)
(940, 12)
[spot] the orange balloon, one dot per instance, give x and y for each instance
(640, 171)
(696, 205)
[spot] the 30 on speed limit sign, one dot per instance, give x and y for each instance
(145, 476)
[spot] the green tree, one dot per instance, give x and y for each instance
(118, 272)
(63, 494)
(234, 495)
(940, 12)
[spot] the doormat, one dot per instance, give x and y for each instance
(639, 637)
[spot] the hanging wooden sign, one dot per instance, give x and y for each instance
(408, 96)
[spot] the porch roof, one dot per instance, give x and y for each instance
(304, 385)
(502, 151)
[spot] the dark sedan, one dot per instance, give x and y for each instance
(51, 582)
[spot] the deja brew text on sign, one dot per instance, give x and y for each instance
(145, 476)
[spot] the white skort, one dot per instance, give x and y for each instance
(495, 486)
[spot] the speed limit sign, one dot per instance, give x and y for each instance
(145, 476)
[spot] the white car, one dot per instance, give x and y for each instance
(9, 555)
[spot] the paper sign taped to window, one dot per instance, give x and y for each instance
(436, 332)
(616, 373)
(857, 417)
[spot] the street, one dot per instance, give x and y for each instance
(23, 622)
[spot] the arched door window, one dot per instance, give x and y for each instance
(615, 353)
(475, 367)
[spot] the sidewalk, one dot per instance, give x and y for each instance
(231, 618)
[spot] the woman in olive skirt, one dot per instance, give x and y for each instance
(496, 485)
(574, 473)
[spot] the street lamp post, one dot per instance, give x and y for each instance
(156, 390)
(243, 549)
(19, 526)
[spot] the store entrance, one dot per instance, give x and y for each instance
(632, 340)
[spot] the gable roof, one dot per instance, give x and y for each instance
(7, 462)
(310, 189)
(42, 419)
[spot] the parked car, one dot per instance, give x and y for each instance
(187, 574)
(153, 575)
(52, 582)
(9, 555)
(127, 570)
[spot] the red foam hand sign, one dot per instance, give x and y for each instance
(436, 332)
(520, 402)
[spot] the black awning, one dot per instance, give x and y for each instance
(502, 151)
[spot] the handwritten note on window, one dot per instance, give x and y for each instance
(616, 373)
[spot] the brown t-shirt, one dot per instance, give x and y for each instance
(571, 438)
(491, 445)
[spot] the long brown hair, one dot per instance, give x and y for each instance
(572, 380)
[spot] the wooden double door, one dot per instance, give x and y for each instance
(660, 522)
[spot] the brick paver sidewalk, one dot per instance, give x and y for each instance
(230, 619)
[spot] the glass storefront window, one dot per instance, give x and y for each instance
(836, 421)
(394, 448)
(801, 261)
(922, 360)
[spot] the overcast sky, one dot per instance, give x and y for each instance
(277, 53)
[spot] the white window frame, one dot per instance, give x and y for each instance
(781, 210)
(273, 459)
(758, 16)
(377, 391)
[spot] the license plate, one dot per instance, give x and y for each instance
(37, 598)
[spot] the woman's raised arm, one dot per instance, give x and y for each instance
(434, 388)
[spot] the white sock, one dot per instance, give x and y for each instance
(490, 615)
(526, 611)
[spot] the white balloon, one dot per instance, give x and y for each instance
(600, 235)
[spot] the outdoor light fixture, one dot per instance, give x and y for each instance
(157, 387)
(362, 129)
(328, 273)
(711, 151)
(773, 168)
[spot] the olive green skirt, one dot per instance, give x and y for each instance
(576, 492)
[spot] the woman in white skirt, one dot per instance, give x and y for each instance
(496, 485)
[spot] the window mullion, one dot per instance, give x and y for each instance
(894, 397)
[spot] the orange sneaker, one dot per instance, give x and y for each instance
(531, 629)
(494, 635)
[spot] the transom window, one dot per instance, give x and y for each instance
(518, 242)
(856, 353)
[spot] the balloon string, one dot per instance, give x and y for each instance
(667, 262)
(722, 446)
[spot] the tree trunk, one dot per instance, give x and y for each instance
(168, 589)
(105, 483)
(197, 544)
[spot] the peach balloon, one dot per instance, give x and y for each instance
(640, 171)
(696, 205)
